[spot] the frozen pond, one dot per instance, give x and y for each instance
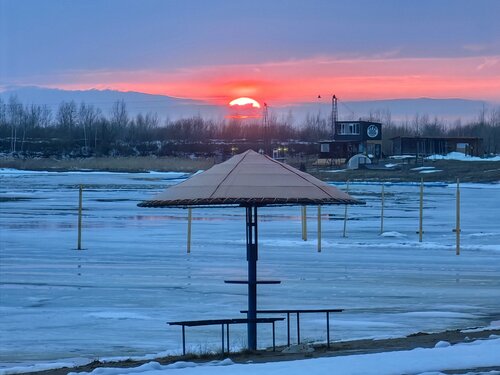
(114, 297)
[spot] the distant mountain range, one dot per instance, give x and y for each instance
(175, 108)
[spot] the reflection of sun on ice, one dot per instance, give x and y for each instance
(244, 108)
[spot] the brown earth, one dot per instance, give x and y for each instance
(109, 164)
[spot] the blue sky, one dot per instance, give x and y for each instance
(182, 45)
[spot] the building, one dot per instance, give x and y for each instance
(425, 146)
(351, 138)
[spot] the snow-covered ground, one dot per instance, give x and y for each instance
(462, 157)
(115, 297)
(463, 356)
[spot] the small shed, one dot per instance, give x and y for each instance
(425, 146)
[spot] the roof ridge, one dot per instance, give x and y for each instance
(292, 170)
(231, 171)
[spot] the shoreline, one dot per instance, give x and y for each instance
(340, 348)
(446, 171)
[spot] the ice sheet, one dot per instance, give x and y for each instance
(115, 297)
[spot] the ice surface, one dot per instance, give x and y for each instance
(477, 354)
(431, 171)
(113, 299)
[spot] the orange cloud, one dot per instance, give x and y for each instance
(295, 81)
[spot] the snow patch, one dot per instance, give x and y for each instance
(36, 368)
(392, 234)
(438, 314)
(442, 344)
(431, 171)
(154, 367)
(422, 168)
(118, 315)
(461, 156)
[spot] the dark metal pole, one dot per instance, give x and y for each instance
(252, 255)
(328, 330)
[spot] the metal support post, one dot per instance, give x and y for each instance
(252, 256)
(80, 199)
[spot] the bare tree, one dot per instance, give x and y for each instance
(15, 114)
(88, 116)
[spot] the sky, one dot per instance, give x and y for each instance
(273, 51)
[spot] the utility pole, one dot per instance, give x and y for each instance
(335, 114)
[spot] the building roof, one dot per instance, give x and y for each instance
(434, 137)
(250, 179)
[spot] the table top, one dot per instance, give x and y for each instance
(286, 311)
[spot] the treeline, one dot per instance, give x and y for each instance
(80, 130)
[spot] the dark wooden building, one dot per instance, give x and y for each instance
(351, 138)
(425, 146)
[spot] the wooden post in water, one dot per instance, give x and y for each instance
(304, 223)
(458, 217)
(190, 217)
(319, 229)
(345, 212)
(421, 210)
(80, 200)
(382, 212)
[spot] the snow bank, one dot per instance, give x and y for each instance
(461, 156)
(36, 368)
(156, 368)
(480, 353)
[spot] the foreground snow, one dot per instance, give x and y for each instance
(464, 356)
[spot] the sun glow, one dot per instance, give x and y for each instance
(244, 101)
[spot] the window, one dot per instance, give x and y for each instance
(350, 128)
(325, 147)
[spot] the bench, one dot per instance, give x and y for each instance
(298, 312)
(222, 322)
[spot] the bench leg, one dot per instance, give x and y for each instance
(274, 339)
(183, 340)
(222, 326)
(227, 337)
(288, 328)
(298, 328)
(328, 330)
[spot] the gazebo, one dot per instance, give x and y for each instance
(250, 180)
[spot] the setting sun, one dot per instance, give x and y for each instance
(244, 101)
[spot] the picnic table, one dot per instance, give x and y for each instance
(288, 312)
(222, 322)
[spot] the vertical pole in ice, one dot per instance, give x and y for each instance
(79, 246)
(457, 229)
(345, 212)
(319, 229)
(190, 217)
(382, 212)
(304, 223)
(421, 210)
